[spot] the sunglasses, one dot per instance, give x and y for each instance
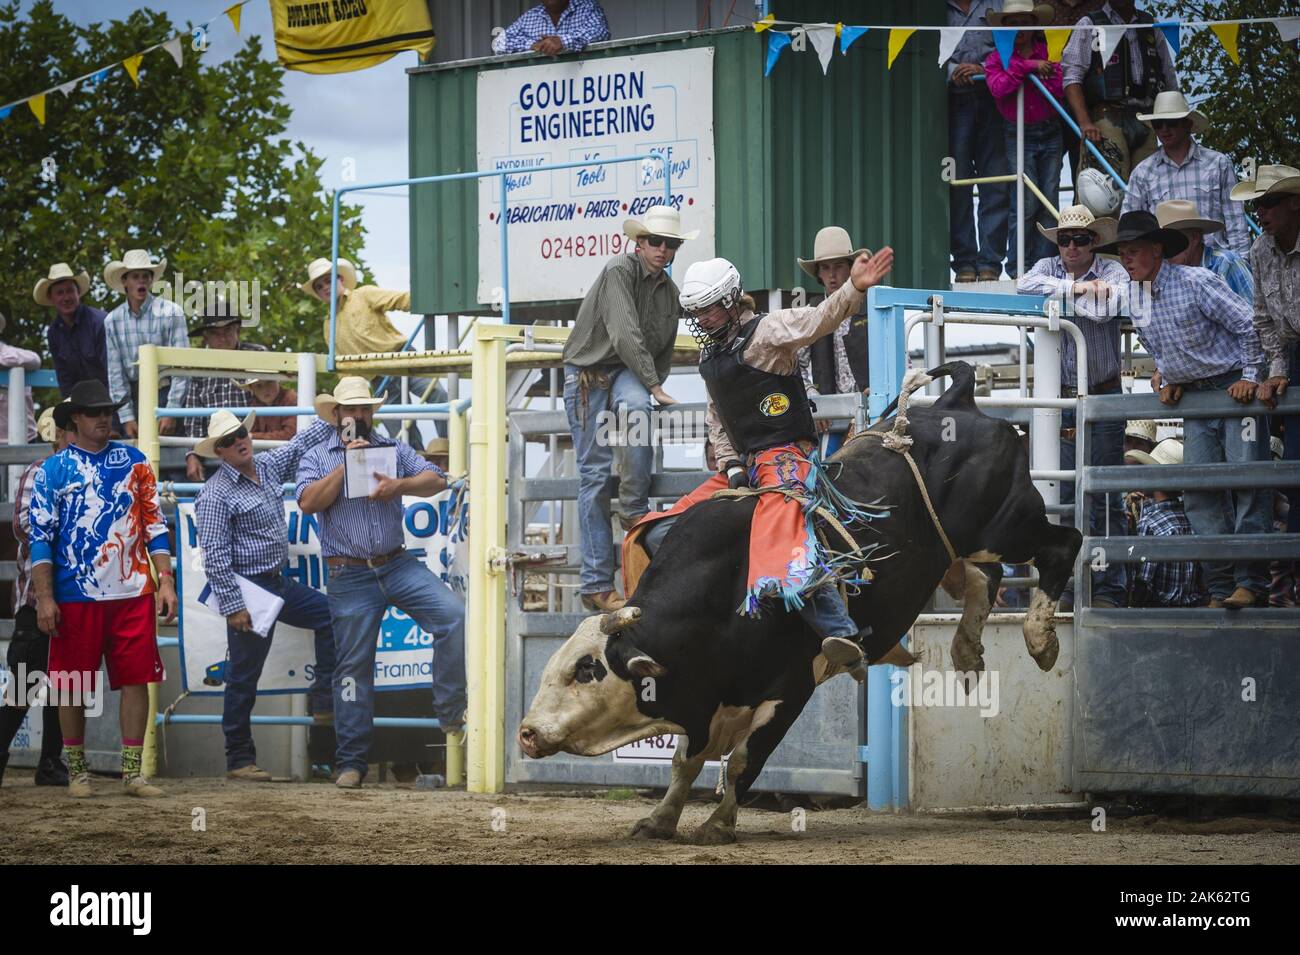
(95, 412)
(1268, 202)
(1081, 241)
(1166, 123)
(229, 440)
(655, 241)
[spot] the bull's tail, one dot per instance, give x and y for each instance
(961, 393)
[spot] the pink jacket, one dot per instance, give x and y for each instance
(1005, 83)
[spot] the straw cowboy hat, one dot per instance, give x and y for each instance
(349, 392)
(59, 271)
(136, 260)
(1168, 451)
(1172, 104)
(1143, 428)
(321, 267)
(659, 220)
(1043, 12)
(1183, 214)
(1081, 217)
(830, 245)
(220, 425)
(88, 395)
(1268, 180)
(1142, 226)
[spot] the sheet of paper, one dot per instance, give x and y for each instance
(361, 464)
(262, 605)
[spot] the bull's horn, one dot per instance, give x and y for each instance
(612, 623)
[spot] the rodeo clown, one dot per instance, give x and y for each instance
(761, 426)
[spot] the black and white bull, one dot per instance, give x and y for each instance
(679, 659)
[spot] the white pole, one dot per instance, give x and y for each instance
(1045, 436)
(1020, 181)
(17, 420)
(299, 756)
(453, 344)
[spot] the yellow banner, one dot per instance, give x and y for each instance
(339, 36)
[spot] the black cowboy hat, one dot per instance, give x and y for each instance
(1142, 226)
(219, 315)
(86, 396)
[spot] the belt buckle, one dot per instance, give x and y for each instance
(371, 562)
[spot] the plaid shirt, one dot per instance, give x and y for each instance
(160, 322)
(1206, 177)
(1101, 336)
(1277, 307)
(1172, 583)
(582, 22)
(241, 523)
(1233, 269)
(22, 507)
(214, 393)
(1196, 327)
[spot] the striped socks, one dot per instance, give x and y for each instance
(74, 748)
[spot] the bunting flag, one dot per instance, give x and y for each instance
(37, 105)
(67, 88)
(1288, 28)
(949, 37)
(823, 40)
(132, 64)
(5, 111)
(1056, 40)
(897, 39)
(1110, 37)
(1005, 41)
(97, 78)
(1173, 32)
(848, 35)
(1227, 34)
(776, 43)
(763, 24)
(173, 46)
(233, 13)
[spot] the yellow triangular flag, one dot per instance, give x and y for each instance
(839, 29)
(234, 11)
(132, 64)
(763, 24)
(1056, 40)
(37, 105)
(1227, 34)
(897, 38)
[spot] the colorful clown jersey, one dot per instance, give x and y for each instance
(96, 518)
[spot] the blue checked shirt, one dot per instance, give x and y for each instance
(1233, 269)
(241, 523)
(359, 527)
(1172, 583)
(161, 322)
(1195, 327)
(975, 44)
(1206, 177)
(582, 22)
(1101, 335)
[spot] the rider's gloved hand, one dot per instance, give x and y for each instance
(737, 474)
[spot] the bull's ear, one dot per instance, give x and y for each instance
(643, 665)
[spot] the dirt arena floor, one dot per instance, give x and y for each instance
(394, 823)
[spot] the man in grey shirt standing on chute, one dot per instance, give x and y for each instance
(616, 359)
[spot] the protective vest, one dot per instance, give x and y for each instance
(1114, 82)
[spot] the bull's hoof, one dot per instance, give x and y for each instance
(1046, 657)
(967, 657)
(714, 834)
(651, 828)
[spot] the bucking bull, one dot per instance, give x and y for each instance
(679, 659)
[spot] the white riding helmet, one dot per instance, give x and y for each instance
(709, 282)
(1099, 193)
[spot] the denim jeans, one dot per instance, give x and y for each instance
(358, 598)
(393, 395)
(1043, 166)
(1291, 445)
(976, 143)
(1105, 442)
(824, 611)
(595, 462)
(246, 655)
(1246, 511)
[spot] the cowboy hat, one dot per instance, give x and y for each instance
(1171, 104)
(220, 425)
(1143, 428)
(350, 391)
(1043, 12)
(1081, 217)
(319, 267)
(659, 220)
(59, 271)
(86, 395)
(136, 260)
(830, 245)
(1168, 451)
(1142, 226)
(218, 316)
(1183, 214)
(1268, 180)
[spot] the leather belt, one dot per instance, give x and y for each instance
(1069, 391)
(336, 562)
(1067, 434)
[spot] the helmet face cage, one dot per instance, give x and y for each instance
(702, 336)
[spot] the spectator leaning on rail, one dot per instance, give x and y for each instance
(616, 359)
(30, 647)
(219, 326)
(975, 142)
(96, 533)
(76, 333)
(1183, 216)
(240, 516)
(1088, 288)
(369, 569)
(1183, 168)
(553, 27)
(141, 320)
(1164, 583)
(11, 356)
(1200, 334)
(269, 393)
(1106, 98)
(1042, 126)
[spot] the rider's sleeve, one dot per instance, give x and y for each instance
(776, 342)
(723, 450)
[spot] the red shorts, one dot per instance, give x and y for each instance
(123, 633)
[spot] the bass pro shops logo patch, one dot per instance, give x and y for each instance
(774, 405)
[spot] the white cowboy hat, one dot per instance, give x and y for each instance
(1268, 179)
(1043, 12)
(1143, 428)
(830, 245)
(321, 267)
(1183, 214)
(351, 390)
(136, 260)
(219, 425)
(659, 220)
(59, 271)
(1168, 451)
(1172, 104)
(1081, 217)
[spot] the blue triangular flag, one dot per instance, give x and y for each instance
(99, 77)
(775, 44)
(1005, 41)
(848, 35)
(1172, 30)
(5, 111)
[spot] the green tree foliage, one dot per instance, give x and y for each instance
(193, 165)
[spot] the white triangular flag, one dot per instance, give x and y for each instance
(1288, 27)
(67, 88)
(822, 36)
(1110, 37)
(949, 37)
(173, 46)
